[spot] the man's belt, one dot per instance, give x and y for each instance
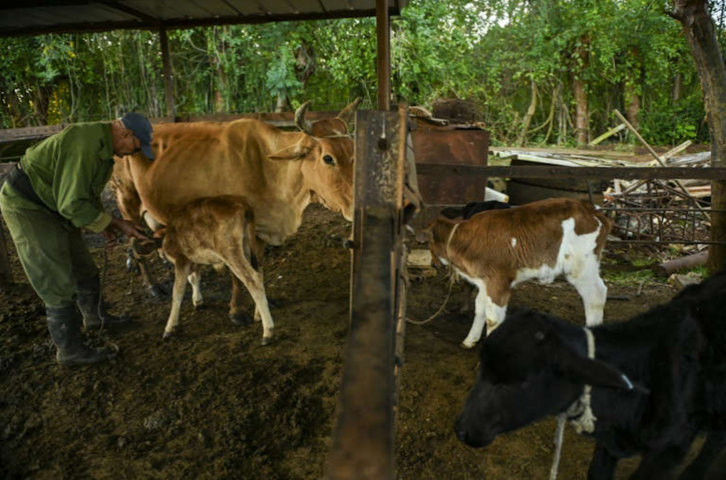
(19, 180)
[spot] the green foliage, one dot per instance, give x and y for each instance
(628, 278)
(673, 124)
(491, 52)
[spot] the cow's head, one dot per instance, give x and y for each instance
(327, 152)
(528, 371)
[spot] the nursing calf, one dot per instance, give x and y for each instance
(535, 365)
(218, 231)
(498, 248)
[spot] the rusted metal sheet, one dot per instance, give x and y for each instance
(54, 16)
(364, 432)
(451, 146)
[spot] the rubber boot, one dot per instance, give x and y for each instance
(64, 325)
(95, 314)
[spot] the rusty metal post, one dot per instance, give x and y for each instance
(168, 74)
(362, 446)
(383, 34)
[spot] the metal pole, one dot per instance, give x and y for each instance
(168, 74)
(384, 55)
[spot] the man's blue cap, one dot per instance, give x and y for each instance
(141, 127)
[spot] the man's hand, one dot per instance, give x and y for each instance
(119, 226)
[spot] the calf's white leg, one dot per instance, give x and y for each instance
(480, 315)
(181, 272)
(592, 290)
(193, 279)
(252, 279)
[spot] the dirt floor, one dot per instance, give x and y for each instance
(213, 403)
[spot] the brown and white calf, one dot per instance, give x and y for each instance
(499, 248)
(215, 230)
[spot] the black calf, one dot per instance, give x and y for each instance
(535, 365)
(472, 208)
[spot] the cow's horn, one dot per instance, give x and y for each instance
(300, 121)
(347, 112)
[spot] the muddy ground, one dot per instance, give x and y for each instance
(213, 403)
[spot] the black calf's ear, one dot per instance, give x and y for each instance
(580, 369)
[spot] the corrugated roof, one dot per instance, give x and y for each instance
(34, 17)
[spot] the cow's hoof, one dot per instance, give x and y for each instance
(168, 335)
(157, 292)
(240, 319)
(467, 346)
(198, 306)
(267, 340)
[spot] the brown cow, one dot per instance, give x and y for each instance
(216, 230)
(499, 248)
(278, 173)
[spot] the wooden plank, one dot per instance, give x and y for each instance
(363, 436)
(607, 135)
(565, 151)
(600, 173)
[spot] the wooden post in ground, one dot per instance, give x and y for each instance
(363, 436)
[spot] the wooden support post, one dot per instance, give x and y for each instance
(384, 55)
(168, 74)
(362, 446)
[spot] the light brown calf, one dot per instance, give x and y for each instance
(215, 230)
(496, 249)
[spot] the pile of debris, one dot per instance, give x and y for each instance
(653, 212)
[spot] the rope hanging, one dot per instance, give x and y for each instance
(579, 413)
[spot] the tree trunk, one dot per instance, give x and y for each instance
(282, 104)
(581, 57)
(581, 124)
(677, 87)
(632, 101)
(41, 103)
(528, 117)
(701, 36)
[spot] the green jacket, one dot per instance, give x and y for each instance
(68, 171)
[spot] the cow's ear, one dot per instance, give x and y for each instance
(584, 370)
(295, 152)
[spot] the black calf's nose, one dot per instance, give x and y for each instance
(461, 435)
